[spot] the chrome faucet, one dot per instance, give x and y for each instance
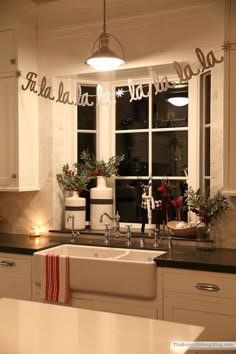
(116, 230)
(74, 234)
(115, 218)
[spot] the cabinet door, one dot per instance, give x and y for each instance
(7, 57)
(15, 277)
(219, 319)
(7, 131)
(229, 101)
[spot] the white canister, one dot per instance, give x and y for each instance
(101, 201)
(75, 206)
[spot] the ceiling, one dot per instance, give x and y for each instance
(92, 9)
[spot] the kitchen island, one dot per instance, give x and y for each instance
(36, 328)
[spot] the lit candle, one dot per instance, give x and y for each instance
(34, 231)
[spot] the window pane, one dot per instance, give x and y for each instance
(168, 115)
(207, 185)
(128, 200)
(86, 141)
(169, 153)
(207, 151)
(135, 148)
(131, 115)
(207, 99)
(86, 115)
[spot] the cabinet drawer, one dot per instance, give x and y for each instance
(201, 283)
(12, 265)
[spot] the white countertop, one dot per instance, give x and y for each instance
(38, 328)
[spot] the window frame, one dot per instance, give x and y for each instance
(106, 131)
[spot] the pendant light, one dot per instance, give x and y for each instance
(104, 58)
(178, 101)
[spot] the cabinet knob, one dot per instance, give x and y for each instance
(12, 61)
(207, 287)
(14, 175)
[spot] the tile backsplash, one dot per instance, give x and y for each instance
(20, 210)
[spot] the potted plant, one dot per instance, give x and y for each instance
(209, 209)
(101, 196)
(75, 180)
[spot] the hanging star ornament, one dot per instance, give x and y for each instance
(226, 46)
(18, 73)
(120, 92)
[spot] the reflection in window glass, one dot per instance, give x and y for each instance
(169, 153)
(86, 115)
(166, 114)
(128, 200)
(131, 115)
(135, 148)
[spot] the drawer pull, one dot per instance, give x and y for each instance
(207, 287)
(7, 264)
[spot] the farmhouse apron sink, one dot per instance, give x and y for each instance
(110, 271)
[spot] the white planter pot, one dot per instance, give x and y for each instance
(75, 206)
(100, 202)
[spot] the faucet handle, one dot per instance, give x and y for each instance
(75, 235)
(156, 241)
(129, 228)
(106, 234)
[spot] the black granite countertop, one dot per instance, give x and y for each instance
(221, 260)
(186, 257)
(24, 244)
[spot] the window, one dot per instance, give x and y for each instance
(153, 135)
(87, 133)
(205, 131)
(87, 122)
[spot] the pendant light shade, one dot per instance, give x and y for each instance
(104, 58)
(178, 101)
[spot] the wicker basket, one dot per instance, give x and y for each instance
(190, 231)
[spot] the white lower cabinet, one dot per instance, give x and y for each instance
(15, 276)
(200, 298)
(115, 304)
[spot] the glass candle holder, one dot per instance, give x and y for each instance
(206, 236)
(34, 231)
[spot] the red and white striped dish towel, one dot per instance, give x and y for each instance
(55, 278)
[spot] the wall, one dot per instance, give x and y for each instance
(149, 37)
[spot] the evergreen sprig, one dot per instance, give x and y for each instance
(100, 167)
(73, 179)
(205, 206)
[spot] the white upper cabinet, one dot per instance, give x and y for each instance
(8, 53)
(229, 101)
(18, 118)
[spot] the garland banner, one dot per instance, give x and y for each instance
(184, 73)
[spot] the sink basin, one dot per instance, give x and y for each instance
(140, 256)
(83, 251)
(108, 271)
